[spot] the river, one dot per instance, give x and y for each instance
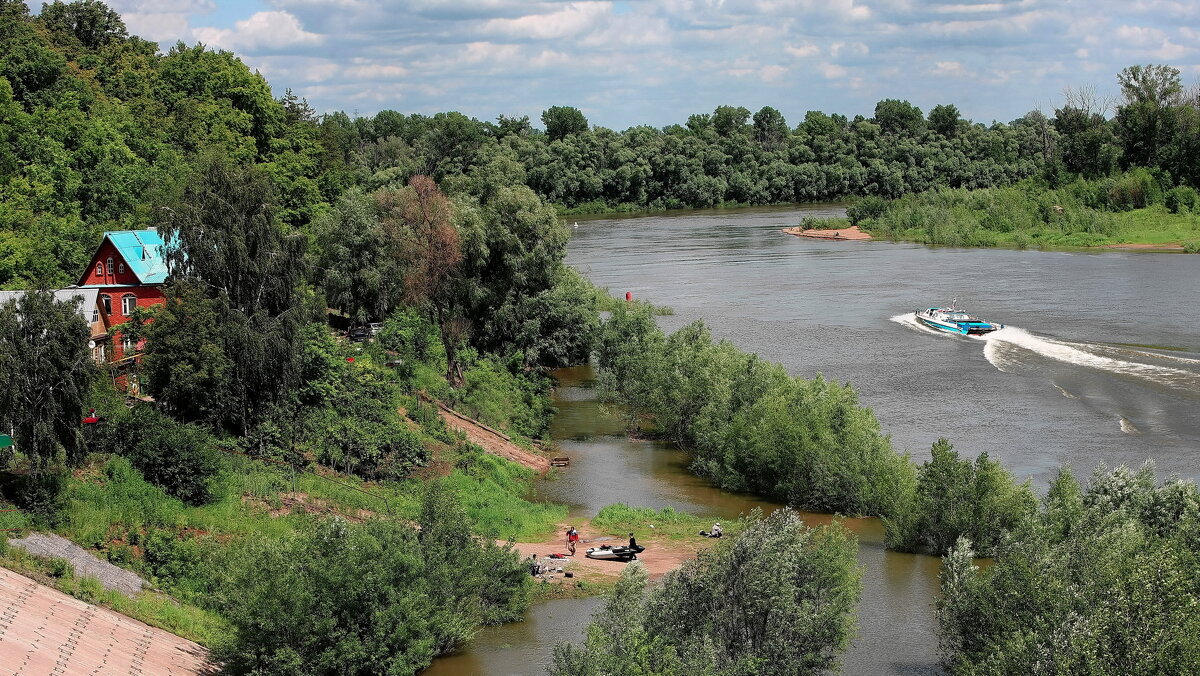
(1100, 362)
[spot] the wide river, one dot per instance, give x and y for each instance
(1099, 362)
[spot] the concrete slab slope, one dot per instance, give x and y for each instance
(43, 631)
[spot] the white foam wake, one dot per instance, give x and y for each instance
(1079, 355)
(909, 319)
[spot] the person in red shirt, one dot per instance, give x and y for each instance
(572, 538)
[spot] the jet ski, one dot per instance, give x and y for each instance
(618, 553)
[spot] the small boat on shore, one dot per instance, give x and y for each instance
(618, 553)
(952, 320)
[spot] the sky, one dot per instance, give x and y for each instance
(631, 62)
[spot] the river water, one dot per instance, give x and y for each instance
(1100, 361)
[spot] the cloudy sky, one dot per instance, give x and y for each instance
(627, 62)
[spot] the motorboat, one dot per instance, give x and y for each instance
(953, 320)
(617, 553)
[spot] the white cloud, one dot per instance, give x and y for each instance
(263, 30)
(949, 69)
(803, 51)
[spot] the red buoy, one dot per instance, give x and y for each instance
(628, 295)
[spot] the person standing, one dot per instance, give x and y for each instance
(632, 542)
(572, 538)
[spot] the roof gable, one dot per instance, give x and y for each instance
(144, 253)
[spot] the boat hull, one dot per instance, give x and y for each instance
(973, 327)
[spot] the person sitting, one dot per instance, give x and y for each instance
(632, 541)
(716, 531)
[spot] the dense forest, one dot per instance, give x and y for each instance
(445, 231)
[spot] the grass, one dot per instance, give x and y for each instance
(571, 588)
(621, 519)
(606, 301)
(492, 491)
(1156, 225)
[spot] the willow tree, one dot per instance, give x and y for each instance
(225, 348)
(46, 369)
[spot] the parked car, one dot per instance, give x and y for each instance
(358, 334)
(375, 328)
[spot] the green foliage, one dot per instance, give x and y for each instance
(47, 372)
(224, 349)
(493, 492)
(380, 597)
(561, 121)
(1102, 581)
(1180, 199)
(748, 424)
(776, 600)
(619, 519)
(956, 498)
(179, 458)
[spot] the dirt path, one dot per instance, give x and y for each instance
(492, 440)
(662, 555)
(44, 631)
(850, 233)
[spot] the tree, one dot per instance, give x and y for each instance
(1101, 582)
(562, 121)
(381, 597)
(730, 121)
(944, 119)
(957, 498)
(778, 600)
(417, 225)
(91, 22)
(899, 117)
(225, 348)
(770, 129)
(47, 370)
(1146, 119)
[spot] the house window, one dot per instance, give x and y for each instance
(121, 268)
(99, 269)
(110, 267)
(100, 353)
(106, 301)
(127, 345)
(95, 315)
(128, 303)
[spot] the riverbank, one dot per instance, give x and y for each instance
(850, 233)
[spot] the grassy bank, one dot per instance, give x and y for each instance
(1130, 209)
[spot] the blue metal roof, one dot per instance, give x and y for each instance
(144, 253)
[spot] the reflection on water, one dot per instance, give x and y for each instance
(895, 623)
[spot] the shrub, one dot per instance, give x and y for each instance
(1101, 582)
(1180, 199)
(179, 458)
(867, 208)
(377, 598)
(60, 568)
(777, 600)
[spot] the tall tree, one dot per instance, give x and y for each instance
(46, 370)
(418, 227)
(229, 257)
(562, 121)
(1146, 117)
(945, 119)
(770, 129)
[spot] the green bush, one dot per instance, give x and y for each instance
(1101, 581)
(61, 568)
(777, 600)
(1180, 199)
(179, 458)
(959, 498)
(382, 597)
(1135, 189)
(748, 424)
(867, 208)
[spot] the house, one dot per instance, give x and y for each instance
(127, 272)
(87, 305)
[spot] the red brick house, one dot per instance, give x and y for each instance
(128, 271)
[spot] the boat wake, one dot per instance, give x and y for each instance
(999, 348)
(1009, 347)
